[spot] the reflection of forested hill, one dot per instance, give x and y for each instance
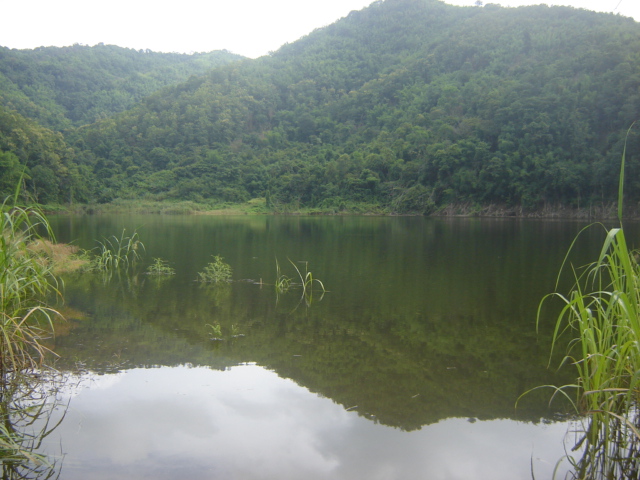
(401, 370)
(407, 105)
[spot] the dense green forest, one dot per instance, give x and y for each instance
(67, 87)
(406, 106)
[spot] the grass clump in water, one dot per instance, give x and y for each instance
(284, 283)
(160, 267)
(217, 271)
(116, 253)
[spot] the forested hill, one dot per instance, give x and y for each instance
(407, 106)
(77, 85)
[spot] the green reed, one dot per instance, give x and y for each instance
(25, 282)
(602, 314)
(284, 283)
(306, 279)
(118, 253)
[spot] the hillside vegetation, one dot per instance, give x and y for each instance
(406, 106)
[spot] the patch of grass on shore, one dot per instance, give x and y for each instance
(60, 257)
(258, 206)
(255, 206)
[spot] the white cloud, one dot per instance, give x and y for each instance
(248, 27)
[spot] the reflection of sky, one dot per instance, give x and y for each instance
(248, 423)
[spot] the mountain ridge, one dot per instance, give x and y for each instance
(407, 105)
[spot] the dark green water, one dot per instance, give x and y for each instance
(408, 367)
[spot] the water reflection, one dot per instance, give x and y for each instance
(605, 446)
(426, 324)
(247, 423)
(30, 410)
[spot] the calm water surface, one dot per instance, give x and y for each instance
(409, 367)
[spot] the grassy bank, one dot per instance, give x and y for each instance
(258, 206)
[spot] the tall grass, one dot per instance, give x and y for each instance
(602, 314)
(25, 283)
(116, 253)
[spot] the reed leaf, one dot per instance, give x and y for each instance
(602, 313)
(26, 282)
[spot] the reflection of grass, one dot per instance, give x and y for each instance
(215, 331)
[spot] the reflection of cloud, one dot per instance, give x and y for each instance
(248, 423)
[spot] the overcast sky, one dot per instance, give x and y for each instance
(247, 27)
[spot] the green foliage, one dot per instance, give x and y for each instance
(43, 159)
(77, 85)
(160, 267)
(394, 113)
(602, 314)
(306, 282)
(216, 272)
(215, 331)
(283, 282)
(406, 107)
(118, 253)
(26, 282)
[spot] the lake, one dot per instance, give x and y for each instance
(409, 366)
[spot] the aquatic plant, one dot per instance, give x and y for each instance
(216, 272)
(160, 267)
(602, 313)
(284, 283)
(115, 253)
(215, 331)
(235, 331)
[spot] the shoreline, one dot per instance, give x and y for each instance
(258, 207)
